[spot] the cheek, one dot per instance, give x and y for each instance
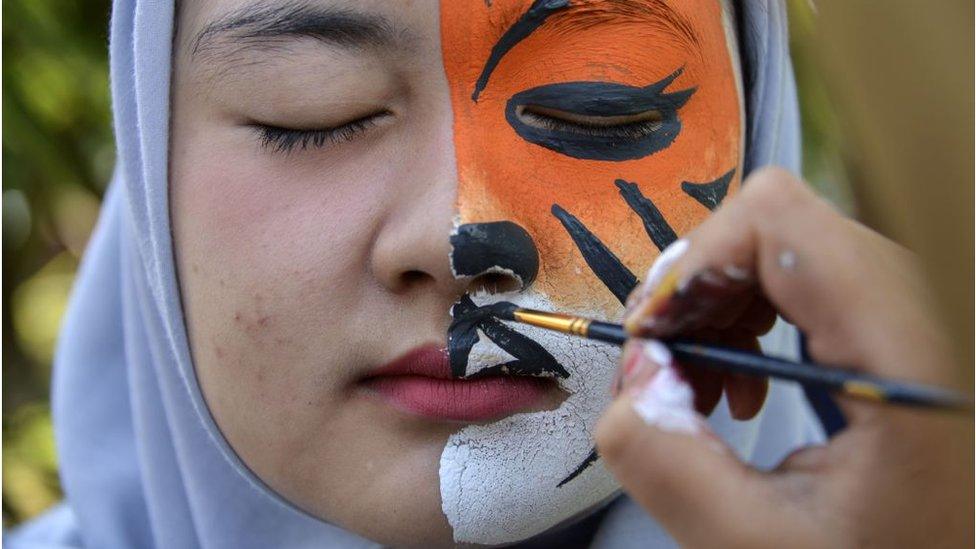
(267, 251)
(255, 218)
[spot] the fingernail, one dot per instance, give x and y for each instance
(659, 270)
(660, 283)
(694, 298)
(639, 366)
(646, 313)
(661, 397)
(629, 363)
(736, 273)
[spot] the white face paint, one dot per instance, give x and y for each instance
(500, 482)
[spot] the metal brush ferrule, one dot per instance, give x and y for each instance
(554, 321)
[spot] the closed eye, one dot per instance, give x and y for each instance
(629, 125)
(278, 139)
(605, 121)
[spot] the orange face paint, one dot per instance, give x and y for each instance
(505, 177)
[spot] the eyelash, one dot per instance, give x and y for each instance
(285, 140)
(631, 130)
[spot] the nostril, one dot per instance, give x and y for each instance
(495, 283)
(410, 279)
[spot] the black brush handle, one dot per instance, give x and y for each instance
(824, 405)
(607, 332)
(815, 378)
(816, 375)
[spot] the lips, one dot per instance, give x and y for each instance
(419, 383)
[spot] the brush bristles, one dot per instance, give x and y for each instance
(503, 310)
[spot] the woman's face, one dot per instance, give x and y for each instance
(346, 176)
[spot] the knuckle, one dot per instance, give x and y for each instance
(773, 189)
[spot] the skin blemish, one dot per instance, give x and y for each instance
(258, 324)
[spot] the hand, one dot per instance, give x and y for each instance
(894, 477)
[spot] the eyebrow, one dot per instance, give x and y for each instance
(575, 16)
(270, 27)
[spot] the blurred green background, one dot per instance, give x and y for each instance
(57, 158)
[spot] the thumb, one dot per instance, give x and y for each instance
(667, 458)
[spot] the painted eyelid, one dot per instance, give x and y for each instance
(601, 99)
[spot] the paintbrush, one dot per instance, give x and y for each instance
(848, 382)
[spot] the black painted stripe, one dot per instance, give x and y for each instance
(462, 335)
(656, 226)
(526, 25)
(532, 359)
(590, 460)
(709, 194)
(606, 266)
(477, 248)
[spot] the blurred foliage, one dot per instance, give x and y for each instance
(57, 158)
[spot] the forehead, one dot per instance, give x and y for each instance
(237, 35)
(216, 19)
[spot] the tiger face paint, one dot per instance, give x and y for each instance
(592, 133)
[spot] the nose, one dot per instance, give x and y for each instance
(499, 255)
(410, 250)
